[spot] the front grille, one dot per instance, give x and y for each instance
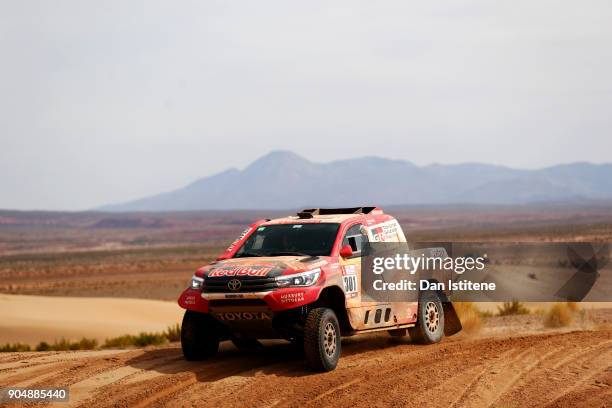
(246, 285)
(236, 302)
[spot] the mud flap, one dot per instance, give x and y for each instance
(452, 324)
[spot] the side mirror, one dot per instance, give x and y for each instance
(346, 251)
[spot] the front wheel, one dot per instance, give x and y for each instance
(322, 345)
(430, 319)
(199, 336)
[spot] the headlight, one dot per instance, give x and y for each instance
(307, 278)
(196, 282)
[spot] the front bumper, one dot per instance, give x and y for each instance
(276, 300)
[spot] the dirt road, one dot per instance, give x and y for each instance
(564, 369)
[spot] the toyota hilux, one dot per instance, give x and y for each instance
(299, 278)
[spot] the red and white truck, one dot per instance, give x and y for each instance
(299, 278)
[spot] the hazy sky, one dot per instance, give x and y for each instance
(106, 101)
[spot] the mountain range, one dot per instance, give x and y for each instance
(283, 179)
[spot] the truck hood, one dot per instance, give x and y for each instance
(260, 267)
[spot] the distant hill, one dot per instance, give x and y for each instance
(283, 179)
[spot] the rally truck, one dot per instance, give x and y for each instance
(299, 278)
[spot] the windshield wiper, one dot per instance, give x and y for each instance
(247, 255)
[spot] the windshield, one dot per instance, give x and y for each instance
(290, 239)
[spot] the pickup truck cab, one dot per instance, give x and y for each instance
(299, 278)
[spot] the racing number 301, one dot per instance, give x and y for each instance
(350, 283)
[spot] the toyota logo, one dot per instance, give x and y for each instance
(234, 284)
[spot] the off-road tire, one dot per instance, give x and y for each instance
(246, 344)
(429, 328)
(199, 337)
(322, 343)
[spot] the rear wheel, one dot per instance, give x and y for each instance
(430, 319)
(199, 336)
(322, 343)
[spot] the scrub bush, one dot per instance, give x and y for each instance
(16, 347)
(512, 308)
(141, 340)
(173, 333)
(64, 344)
(559, 315)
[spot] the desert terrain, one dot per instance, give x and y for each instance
(31, 319)
(153, 255)
(100, 263)
(560, 369)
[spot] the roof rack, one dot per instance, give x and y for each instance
(311, 212)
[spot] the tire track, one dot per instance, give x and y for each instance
(562, 369)
(561, 378)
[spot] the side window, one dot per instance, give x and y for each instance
(354, 238)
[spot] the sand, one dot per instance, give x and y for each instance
(31, 319)
(547, 369)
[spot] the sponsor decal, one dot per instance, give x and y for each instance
(378, 233)
(231, 316)
(314, 265)
(190, 300)
(240, 270)
(384, 232)
(349, 270)
(350, 284)
(292, 297)
(240, 237)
